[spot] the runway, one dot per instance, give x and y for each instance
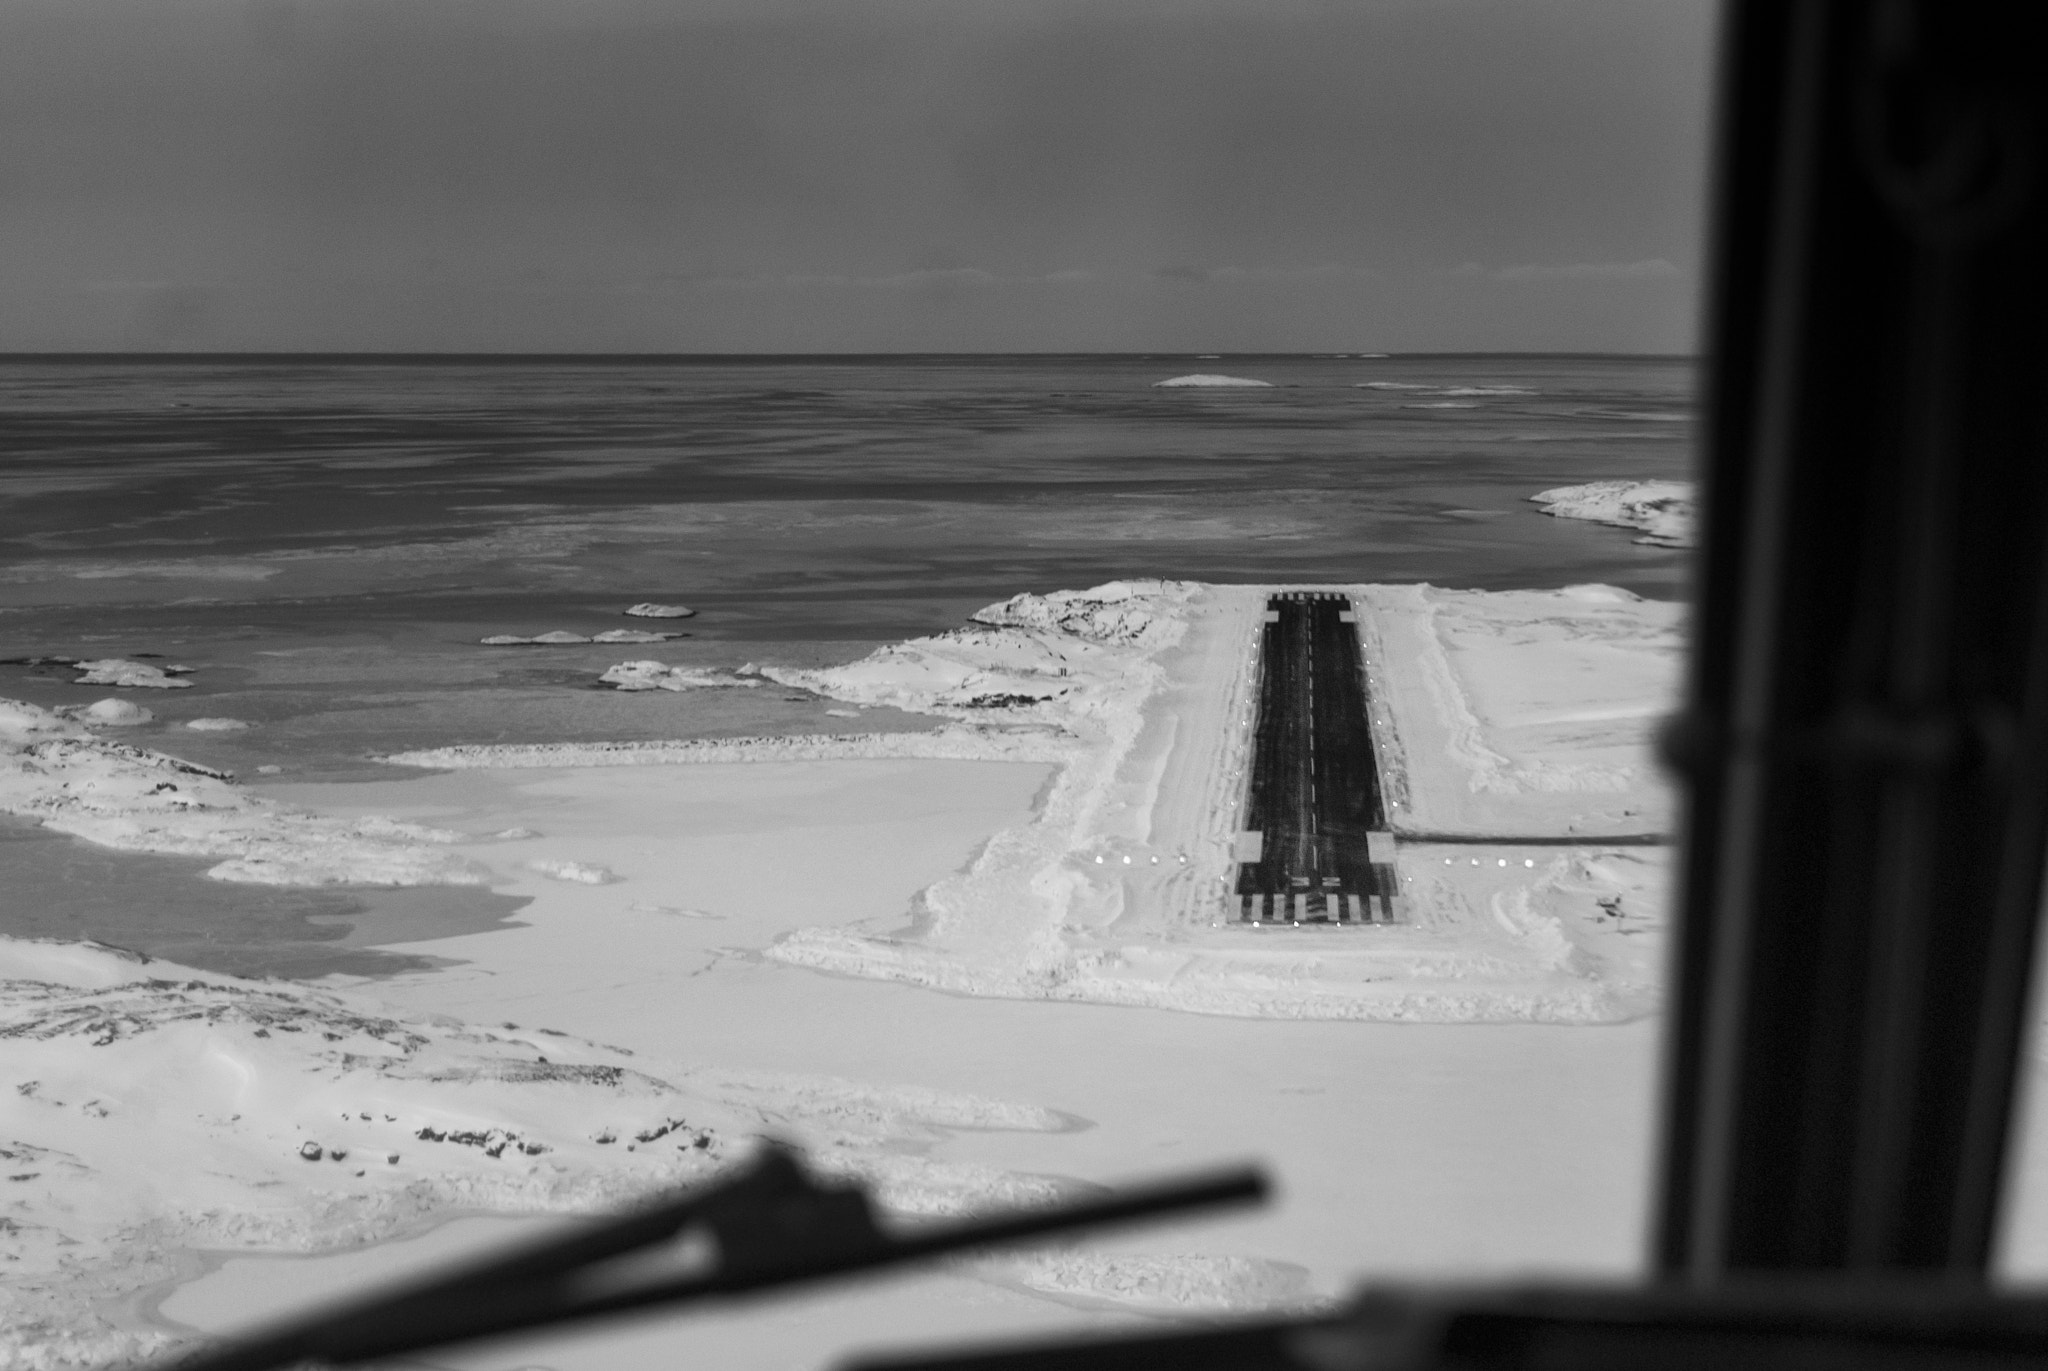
(1314, 847)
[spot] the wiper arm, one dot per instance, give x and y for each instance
(773, 1224)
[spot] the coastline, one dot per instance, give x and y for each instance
(723, 875)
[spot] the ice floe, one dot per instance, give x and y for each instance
(221, 725)
(649, 610)
(109, 713)
(1423, 388)
(53, 770)
(1663, 510)
(1210, 379)
(564, 638)
(120, 671)
(650, 675)
(582, 873)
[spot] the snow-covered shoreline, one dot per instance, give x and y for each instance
(1521, 713)
(1663, 510)
(1517, 714)
(1106, 892)
(56, 770)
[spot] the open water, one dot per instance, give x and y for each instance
(792, 498)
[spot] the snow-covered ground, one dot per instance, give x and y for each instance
(156, 1110)
(55, 769)
(1663, 510)
(1507, 715)
(658, 990)
(1055, 857)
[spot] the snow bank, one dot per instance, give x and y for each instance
(1070, 658)
(1208, 379)
(55, 771)
(156, 1110)
(1191, 1284)
(1523, 712)
(1662, 509)
(648, 675)
(119, 671)
(952, 744)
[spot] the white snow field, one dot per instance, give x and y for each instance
(1663, 510)
(1466, 1093)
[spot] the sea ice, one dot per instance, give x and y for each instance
(54, 770)
(216, 725)
(1208, 379)
(111, 713)
(633, 635)
(119, 671)
(558, 638)
(650, 675)
(582, 873)
(648, 610)
(1662, 509)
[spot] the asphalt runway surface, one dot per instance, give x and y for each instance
(1323, 853)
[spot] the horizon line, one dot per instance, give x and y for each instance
(126, 355)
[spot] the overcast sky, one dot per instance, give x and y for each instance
(864, 175)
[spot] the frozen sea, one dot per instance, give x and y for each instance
(324, 541)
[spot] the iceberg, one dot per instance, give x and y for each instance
(110, 713)
(1206, 379)
(1663, 510)
(651, 675)
(120, 671)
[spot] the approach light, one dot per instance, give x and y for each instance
(1528, 861)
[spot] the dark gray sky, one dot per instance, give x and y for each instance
(868, 175)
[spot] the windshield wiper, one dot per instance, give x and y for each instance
(769, 1224)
